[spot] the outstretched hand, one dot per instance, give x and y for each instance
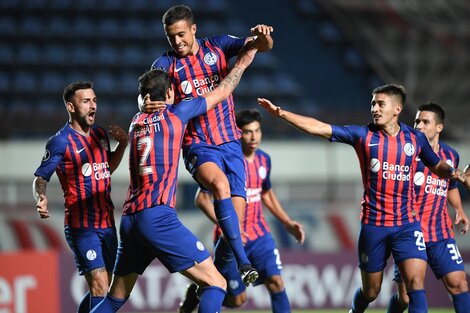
(269, 107)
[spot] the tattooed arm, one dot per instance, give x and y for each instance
(227, 86)
(39, 193)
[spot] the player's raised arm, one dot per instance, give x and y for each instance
(306, 124)
(262, 33)
(227, 86)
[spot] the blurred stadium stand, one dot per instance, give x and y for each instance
(46, 44)
(328, 56)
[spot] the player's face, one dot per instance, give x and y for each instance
(251, 137)
(181, 37)
(84, 107)
(426, 123)
(384, 109)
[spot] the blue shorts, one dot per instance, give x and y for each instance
(92, 248)
(227, 156)
(263, 255)
(443, 258)
(376, 243)
(153, 233)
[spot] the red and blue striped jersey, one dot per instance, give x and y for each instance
(431, 197)
(388, 165)
(198, 74)
(258, 173)
(155, 145)
(258, 181)
(81, 163)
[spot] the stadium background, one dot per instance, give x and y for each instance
(328, 56)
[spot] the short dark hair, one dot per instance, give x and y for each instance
(436, 109)
(154, 82)
(70, 90)
(177, 13)
(248, 116)
(392, 90)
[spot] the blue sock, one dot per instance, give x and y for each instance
(418, 302)
(109, 305)
(228, 221)
(359, 303)
(84, 306)
(394, 305)
(211, 300)
(223, 256)
(94, 301)
(280, 302)
(462, 302)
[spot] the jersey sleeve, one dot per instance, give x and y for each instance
(267, 181)
(453, 183)
(348, 134)
(55, 150)
(229, 44)
(190, 107)
(163, 62)
(427, 154)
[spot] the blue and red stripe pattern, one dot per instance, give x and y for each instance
(388, 165)
(258, 173)
(431, 197)
(155, 145)
(196, 75)
(81, 164)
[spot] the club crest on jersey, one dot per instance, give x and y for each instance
(262, 172)
(46, 155)
(409, 149)
(200, 246)
(91, 255)
(104, 143)
(210, 58)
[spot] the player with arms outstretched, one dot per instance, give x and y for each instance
(387, 151)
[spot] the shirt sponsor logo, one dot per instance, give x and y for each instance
(262, 172)
(390, 171)
(101, 170)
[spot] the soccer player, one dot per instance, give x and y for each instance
(432, 194)
(387, 151)
(260, 246)
(80, 155)
(211, 147)
(149, 226)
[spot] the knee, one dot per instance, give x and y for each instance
(456, 287)
(219, 187)
(274, 284)
(99, 287)
(235, 301)
(371, 292)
